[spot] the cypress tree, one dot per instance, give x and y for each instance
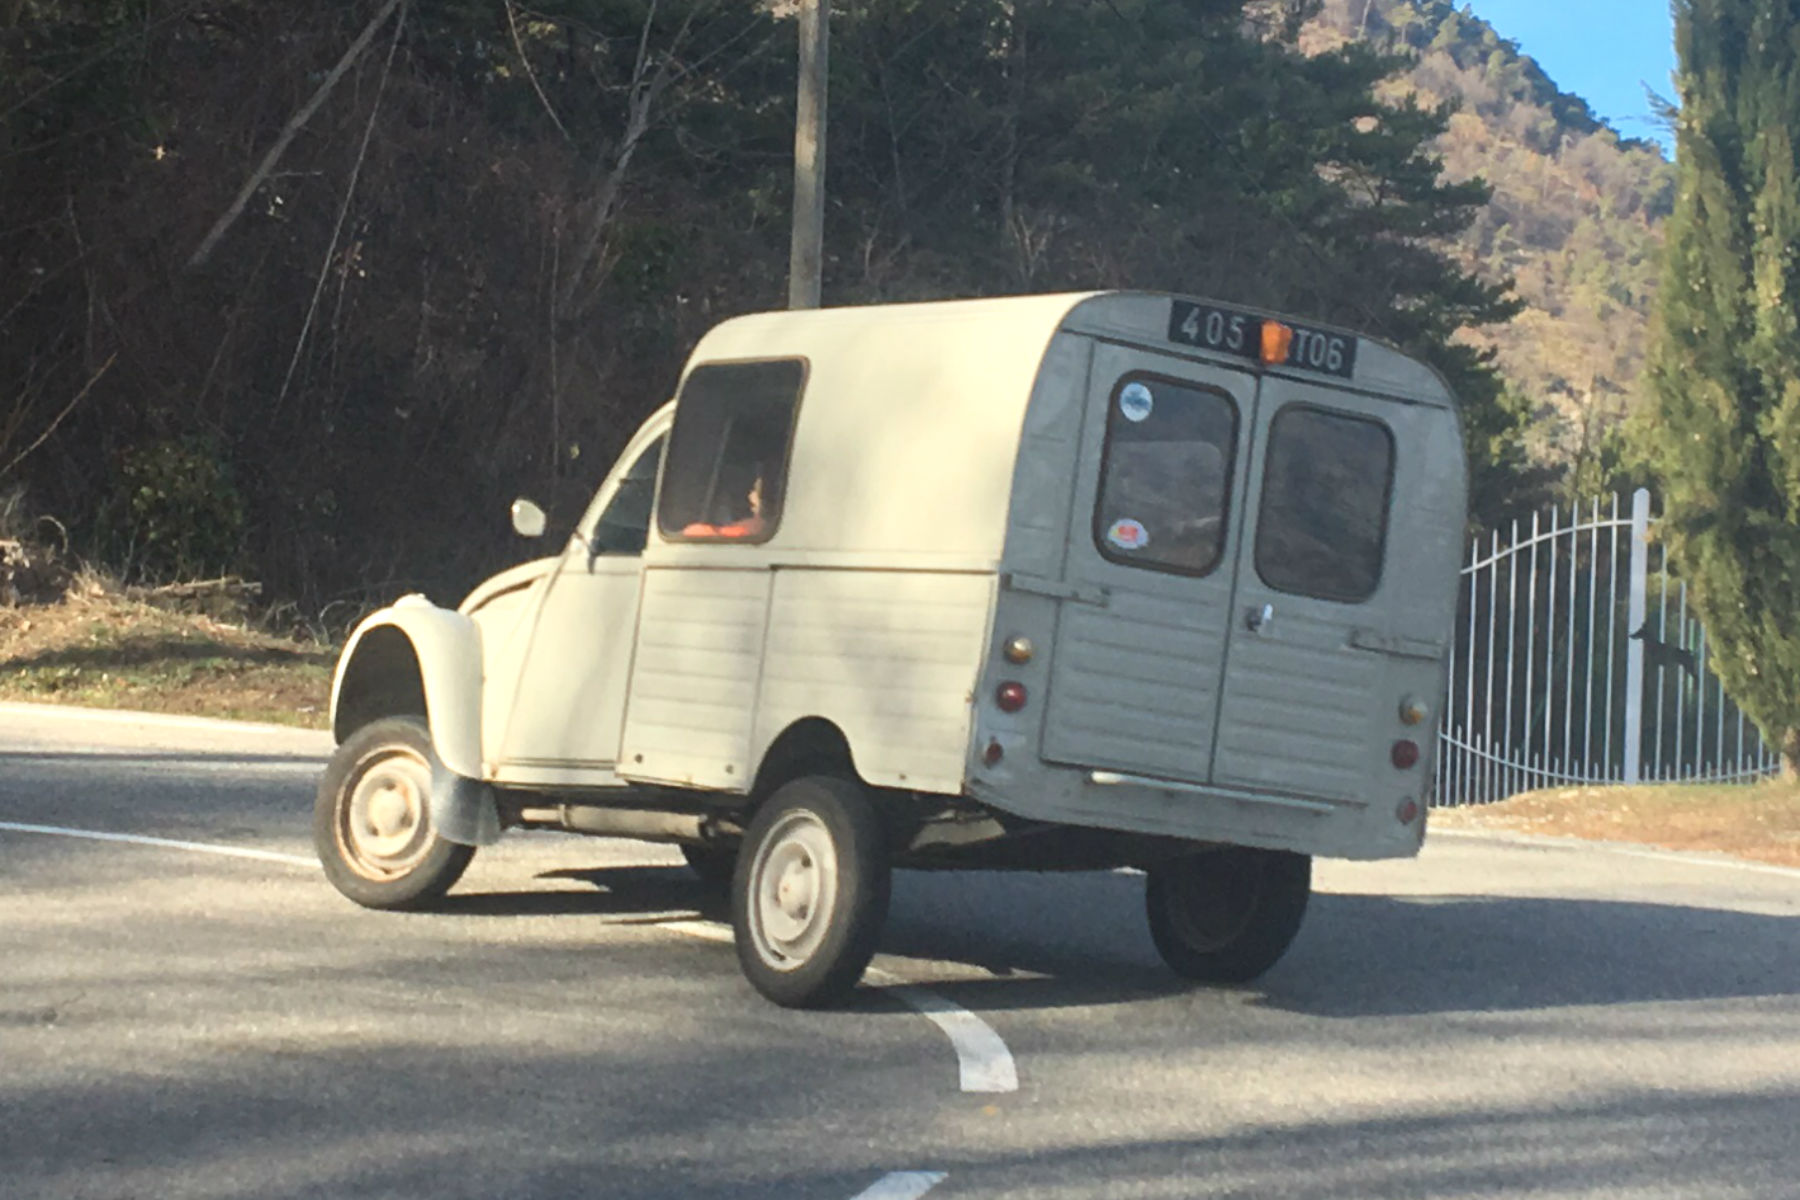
(1724, 433)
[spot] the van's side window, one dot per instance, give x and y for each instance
(728, 453)
(1322, 529)
(1166, 475)
(624, 526)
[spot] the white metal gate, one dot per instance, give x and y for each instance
(1577, 662)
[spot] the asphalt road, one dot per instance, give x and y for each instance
(1492, 1020)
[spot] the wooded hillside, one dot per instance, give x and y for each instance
(477, 237)
(1576, 221)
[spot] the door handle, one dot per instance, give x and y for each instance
(1257, 619)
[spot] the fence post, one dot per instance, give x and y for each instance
(1634, 623)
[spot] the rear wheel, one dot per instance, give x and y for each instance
(1227, 915)
(372, 819)
(810, 892)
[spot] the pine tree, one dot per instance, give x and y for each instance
(1724, 433)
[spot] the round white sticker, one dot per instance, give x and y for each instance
(1136, 402)
(1127, 534)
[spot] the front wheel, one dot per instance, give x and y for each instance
(810, 892)
(1227, 915)
(372, 820)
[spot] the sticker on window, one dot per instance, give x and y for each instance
(1127, 534)
(1136, 403)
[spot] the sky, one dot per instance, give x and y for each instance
(1604, 51)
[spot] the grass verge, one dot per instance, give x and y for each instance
(107, 651)
(1756, 821)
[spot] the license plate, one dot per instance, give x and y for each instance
(1239, 333)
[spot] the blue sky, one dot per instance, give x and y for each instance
(1601, 50)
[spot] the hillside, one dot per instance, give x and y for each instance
(1575, 222)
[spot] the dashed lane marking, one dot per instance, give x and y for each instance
(901, 1185)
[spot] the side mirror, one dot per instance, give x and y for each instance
(527, 519)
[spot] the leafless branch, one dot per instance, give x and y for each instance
(293, 127)
(67, 409)
(512, 26)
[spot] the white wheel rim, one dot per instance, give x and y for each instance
(793, 890)
(384, 824)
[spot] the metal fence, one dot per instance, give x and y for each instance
(1577, 662)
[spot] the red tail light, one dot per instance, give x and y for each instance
(1405, 754)
(1010, 696)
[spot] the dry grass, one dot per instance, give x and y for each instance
(1756, 821)
(102, 650)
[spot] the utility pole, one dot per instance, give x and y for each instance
(806, 259)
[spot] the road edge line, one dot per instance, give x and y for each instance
(96, 835)
(1553, 841)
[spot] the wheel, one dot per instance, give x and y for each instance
(810, 892)
(712, 863)
(1227, 915)
(372, 820)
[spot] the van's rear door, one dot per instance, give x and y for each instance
(1140, 642)
(1349, 530)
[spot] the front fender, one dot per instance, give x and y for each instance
(446, 654)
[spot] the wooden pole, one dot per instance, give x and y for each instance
(806, 259)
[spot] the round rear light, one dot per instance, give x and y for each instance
(1018, 649)
(993, 753)
(1405, 754)
(1407, 812)
(1413, 710)
(1010, 696)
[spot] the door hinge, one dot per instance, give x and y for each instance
(1080, 593)
(1392, 643)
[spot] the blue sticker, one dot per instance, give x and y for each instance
(1136, 402)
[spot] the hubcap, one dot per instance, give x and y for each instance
(384, 824)
(793, 890)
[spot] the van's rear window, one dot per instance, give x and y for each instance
(728, 453)
(1322, 528)
(1166, 475)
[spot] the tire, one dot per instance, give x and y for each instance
(1227, 915)
(810, 892)
(382, 773)
(714, 864)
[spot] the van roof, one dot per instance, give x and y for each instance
(911, 419)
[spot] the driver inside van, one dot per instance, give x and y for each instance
(748, 525)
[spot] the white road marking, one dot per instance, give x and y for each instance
(95, 835)
(984, 1063)
(901, 1185)
(982, 1057)
(1541, 839)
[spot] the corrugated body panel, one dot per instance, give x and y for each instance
(1301, 716)
(1135, 685)
(890, 657)
(694, 679)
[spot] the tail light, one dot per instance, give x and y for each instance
(1009, 697)
(1405, 754)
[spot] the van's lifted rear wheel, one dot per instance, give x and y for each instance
(372, 819)
(810, 892)
(1226, 915)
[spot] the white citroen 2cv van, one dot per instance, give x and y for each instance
(1049, 582)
